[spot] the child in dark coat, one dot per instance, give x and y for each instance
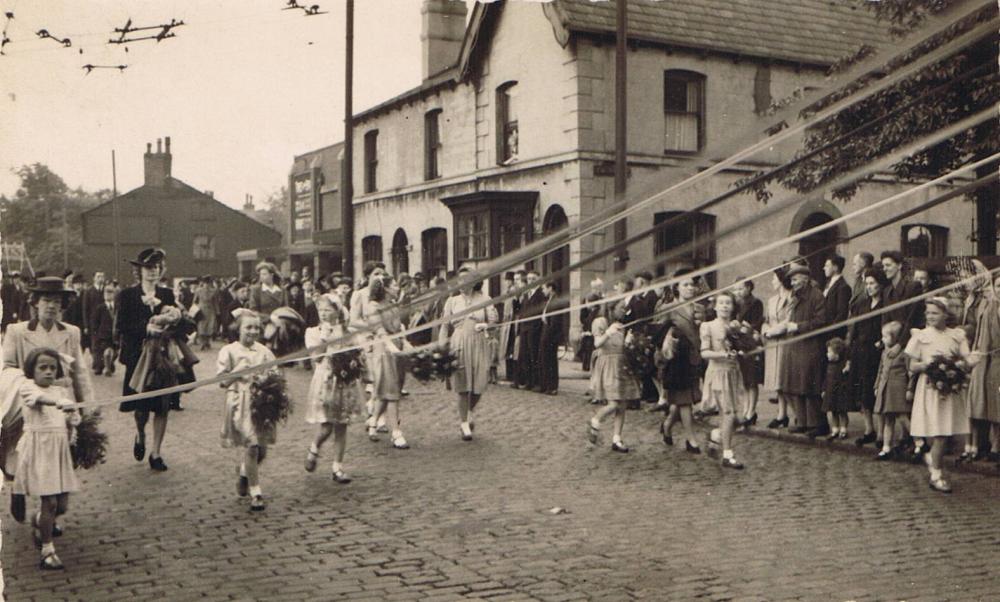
(836, 399)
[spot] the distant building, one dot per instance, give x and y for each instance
(200, 234)
(314, 238)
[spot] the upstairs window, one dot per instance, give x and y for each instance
(432, 144)
(204, 246)
(762, 89)
(924, 240)
(371, 248)
(371, 161)
(689, 239)
(684, 111)
(507, 133)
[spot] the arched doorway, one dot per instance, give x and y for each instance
(400, 253)
(555, 220)
(820, 245)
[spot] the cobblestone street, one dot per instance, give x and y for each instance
(454, 520)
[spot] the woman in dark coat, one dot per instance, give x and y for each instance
(863, 339)
(750, 309)
(802, 365)
(136, 305)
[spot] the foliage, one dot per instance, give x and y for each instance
(428, 363)
(947, 374)
(90, 447)
(34, 216)
(931, 101)
(346, 366)
(269, 401)
(275, 212)
(640, 355)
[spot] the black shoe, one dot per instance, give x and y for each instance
(139, 450)
(667, 439)
(157, 464)
(751, 421)
(57, 530)
(691, 449)
(619, 447)
(878, 443)
(864, 439)
(778, 423)
(257, 504)
(884, 456)
(242, 485)
(17, 509)
(732, 463)
(833, 436)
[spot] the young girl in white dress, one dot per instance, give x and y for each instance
(331, 402)
(609, 378)
(937, 415)
(238, 429)
(723, 381)
(45, 466)
(384, 360)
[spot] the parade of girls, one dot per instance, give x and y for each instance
(915, 365)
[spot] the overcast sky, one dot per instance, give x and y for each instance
(242, 88)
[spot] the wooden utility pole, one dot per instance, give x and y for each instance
(621, 122)
(347, 168)
(114, 213)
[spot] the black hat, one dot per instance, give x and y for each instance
(51, 285)
(149, 258)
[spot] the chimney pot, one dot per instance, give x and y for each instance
(149, 147)
(167, 142)
(159, 146)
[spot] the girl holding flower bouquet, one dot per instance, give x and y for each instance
(610, 378)
(385, 360)
(45, 465)
(470, 341)
(681, 376)
(723, 380)
(939, 410)
(239, 429)
(336, 385)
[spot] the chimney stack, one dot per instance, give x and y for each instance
(157, 165)
(441, 34)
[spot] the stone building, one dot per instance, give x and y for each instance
(510, 135)
(200, 234)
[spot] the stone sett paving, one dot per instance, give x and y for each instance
(450, 520)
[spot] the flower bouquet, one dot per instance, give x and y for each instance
(741, 337)
(433, 363)
(269, 401)
(346, 366)
(89, 446)
(947, 374)
(640, 355)
(166, 359)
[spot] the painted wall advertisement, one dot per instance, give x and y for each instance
(302, 207)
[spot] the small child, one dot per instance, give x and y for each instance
(893, 398)
(609, 378)
(836, 400)
(45, 466)
(723, 380)
(238, 429)
(331, 402)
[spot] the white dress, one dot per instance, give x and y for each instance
(238, 429)
(937, 414)
(45, 466)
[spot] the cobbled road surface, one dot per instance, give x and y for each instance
(454, 520)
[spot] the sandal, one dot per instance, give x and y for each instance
(311, 458)
(339, 476)
(51, 562)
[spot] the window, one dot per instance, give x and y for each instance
(507, 133)
(432, 144)
(371, 160)
(692, 235)
(204, 246)
(923, 240)
(371, 248)
(762, 89)
(400, 252)
(434, 252)
(684, 111)
(473, 236)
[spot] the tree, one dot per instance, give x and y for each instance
(35, 216)
(276, 211)
(936, 97)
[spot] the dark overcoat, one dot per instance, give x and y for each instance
(802, 366)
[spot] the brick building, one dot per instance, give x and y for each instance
(200, 234)
(511, 134)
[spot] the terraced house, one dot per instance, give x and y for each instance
(511, 134)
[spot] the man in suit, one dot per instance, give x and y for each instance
(103, 345)
(837, 294)
(900, 289)
(861, 262)
(74, 314)
(508, 332)
(587, 317)
(13, 295)
(529, 335)
(93, 296)
(551, 335)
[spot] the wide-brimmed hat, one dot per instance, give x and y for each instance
(51, 285)
(797, 268)
(266, 264)
(149, 258)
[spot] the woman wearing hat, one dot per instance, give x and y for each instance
(267, 295)
(48, 297)
(136, 305)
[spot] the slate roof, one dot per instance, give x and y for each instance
(808, 31)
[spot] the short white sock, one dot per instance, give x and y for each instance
(396, 434)
(337, 466)
(243, 469)
(381, 420)
(255, 491)
(727, 454)
(48, 548)
(313, 449)
(935, 473)
(595, 423)
(616, 439)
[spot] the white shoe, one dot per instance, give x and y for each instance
(399, 442)
(466, 431)
(382, 428)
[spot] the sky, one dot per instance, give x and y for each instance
(242, 88)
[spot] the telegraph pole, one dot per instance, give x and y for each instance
(114, 213)
(346, 169)
(621, 122)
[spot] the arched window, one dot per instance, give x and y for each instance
(434, 252)
(687, 241)
(400, 252)
(924, 240)
(507, 133)
(371, 248)
(684, 111)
